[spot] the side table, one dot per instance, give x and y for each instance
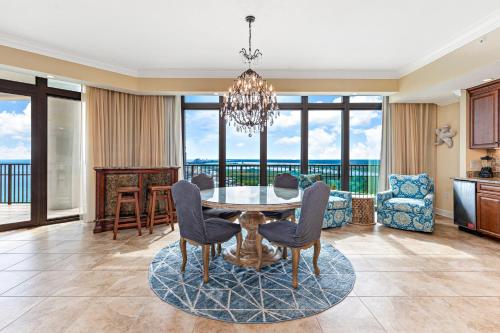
(363, 209)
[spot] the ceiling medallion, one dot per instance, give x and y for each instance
(250, 104)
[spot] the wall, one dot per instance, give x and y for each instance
(448, 161)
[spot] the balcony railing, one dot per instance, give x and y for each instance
(15, 183)
(363, 178)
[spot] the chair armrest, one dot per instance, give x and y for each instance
(429, 200)
(341, 194)
(383, 196)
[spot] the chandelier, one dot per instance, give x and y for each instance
(250, 103)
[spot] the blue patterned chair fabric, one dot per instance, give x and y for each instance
(306, 180)
(409, 204)
(338, 210)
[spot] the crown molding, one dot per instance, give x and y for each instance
(38, 48)
(269, 74)
(476, 31)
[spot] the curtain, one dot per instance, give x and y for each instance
(386, 147)
(125, 130)
(173, 125)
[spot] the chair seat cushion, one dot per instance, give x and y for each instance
(406, 205)
(219, 213)
(279, 215)
(282, 232)
(336, 203)
(219, 230)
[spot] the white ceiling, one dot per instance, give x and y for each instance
(201, 38)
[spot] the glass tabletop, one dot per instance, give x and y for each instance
(252, 197)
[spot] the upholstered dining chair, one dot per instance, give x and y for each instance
(283, 180)
(196, 230)
(298, 236)
(206, 182)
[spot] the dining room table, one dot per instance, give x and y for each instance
(251, 201)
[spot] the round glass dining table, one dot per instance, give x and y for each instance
(252, 200)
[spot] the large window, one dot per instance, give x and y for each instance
(325, 145)
(335, 136)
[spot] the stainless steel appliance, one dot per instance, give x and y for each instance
(464, 204)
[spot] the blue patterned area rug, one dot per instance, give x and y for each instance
(243, 295)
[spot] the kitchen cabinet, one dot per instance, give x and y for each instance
(484, 116)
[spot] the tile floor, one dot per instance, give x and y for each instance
(63, 278)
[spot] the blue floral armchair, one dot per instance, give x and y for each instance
(409, 204)
(338, 210)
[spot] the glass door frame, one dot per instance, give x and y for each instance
(39, 93)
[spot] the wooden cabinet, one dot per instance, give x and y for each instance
(484, 116)
(488, 209)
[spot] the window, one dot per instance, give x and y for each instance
(53, 83)
(318, 146)
(325, 137)
(365, 131)
(201, 143)
(283, 145)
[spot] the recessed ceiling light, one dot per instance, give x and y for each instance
(488, 80)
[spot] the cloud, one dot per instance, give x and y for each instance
(370, 147)
(286, 119)
(324, 144)
(360, 118)
(16, 125)
(288, 140)
(328, 118)
(19, 152)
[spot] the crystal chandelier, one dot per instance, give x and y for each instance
(250, 103)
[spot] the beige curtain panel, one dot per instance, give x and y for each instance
(127, 130)
(412, 138)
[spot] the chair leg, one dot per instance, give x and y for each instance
(239, 241)
(152, 215)
(258, 244)
(182, 244)
(219, 249)
(206, 260)
(148, 210)
(285, 254)
(137, 213)
(212, 250)
(117, 215)
(295, 267)
(317, 249)
(292, 218)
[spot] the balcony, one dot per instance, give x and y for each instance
(363, 178)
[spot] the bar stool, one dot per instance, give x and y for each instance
(159, 193)
(127, 195)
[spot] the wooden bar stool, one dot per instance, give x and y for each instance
(127, 195)
(159, 193)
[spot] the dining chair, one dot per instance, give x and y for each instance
(198, 231)
(283, 180)
(298, 236)
(206, 182)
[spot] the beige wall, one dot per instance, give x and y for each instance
(447, 162)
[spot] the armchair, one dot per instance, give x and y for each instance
(338, 210)
(409, 204)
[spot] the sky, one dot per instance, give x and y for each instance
(15, 129)
(284, 134)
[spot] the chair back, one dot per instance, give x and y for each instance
(411, 186)
(187, 202)
(314, 201)
(203, 181)
(286, 180)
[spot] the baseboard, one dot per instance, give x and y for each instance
(443, 212)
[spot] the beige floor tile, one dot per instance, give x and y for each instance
(43, 284)
(9, 280)
(78, 262)
(6, 245)
(53, 314)
(12, 308)
(351, 315)
(469, 283)
(39, 262)
(36, 247)
(10, 259)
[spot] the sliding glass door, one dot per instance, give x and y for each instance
(15, 160)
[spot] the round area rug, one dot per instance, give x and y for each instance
(243, 295)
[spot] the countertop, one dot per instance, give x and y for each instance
(494, 180)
